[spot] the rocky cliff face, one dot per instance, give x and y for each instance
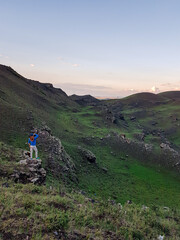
(57, 161)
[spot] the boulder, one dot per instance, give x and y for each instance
(104, 169)
(132, 118)
(129, 201)
(29, 171)
(87, 155)
(148, 147)
(164, 146)
(121, 117)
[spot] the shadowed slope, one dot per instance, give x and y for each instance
(24, 102)
(17, 89)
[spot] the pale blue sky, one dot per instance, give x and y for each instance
(102, 47)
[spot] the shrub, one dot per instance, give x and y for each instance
(56, 221)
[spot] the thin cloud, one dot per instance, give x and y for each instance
(166, 84)
(95, 90)
(76, 65)
(84, 86)
(65, 62)
(60, 58)
(171, 86)
(32, 65)
(6, 57)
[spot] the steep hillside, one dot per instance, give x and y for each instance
(25, 102)
(26, 105)
(23, 92)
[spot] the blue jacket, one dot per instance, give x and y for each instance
(33, 143)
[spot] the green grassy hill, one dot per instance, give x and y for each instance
(130, 167)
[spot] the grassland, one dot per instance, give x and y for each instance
(36, 212)
(125, 179)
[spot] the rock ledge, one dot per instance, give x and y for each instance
(29, 171)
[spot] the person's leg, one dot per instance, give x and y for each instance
(31, 151)
(36, 151)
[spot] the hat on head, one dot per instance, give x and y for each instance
(31, 134)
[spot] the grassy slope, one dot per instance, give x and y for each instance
(125, 179)
(40, 213)
(166, 115)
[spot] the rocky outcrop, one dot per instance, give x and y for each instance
(171, 154)
(87, 155)
(113, 116)
(29, 171)
(57, 161)
(165, 146)
(30, 174)
(167, 156)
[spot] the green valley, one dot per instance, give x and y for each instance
(132, 157)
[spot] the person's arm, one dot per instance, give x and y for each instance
(29, 142)
(36, 136)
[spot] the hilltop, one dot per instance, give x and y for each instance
(85, 100)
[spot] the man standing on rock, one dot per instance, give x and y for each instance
(32, 144)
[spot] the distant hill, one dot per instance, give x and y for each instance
(170, 94)
(144, 99)
(86, 100)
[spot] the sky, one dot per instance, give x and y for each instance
(106, 48)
